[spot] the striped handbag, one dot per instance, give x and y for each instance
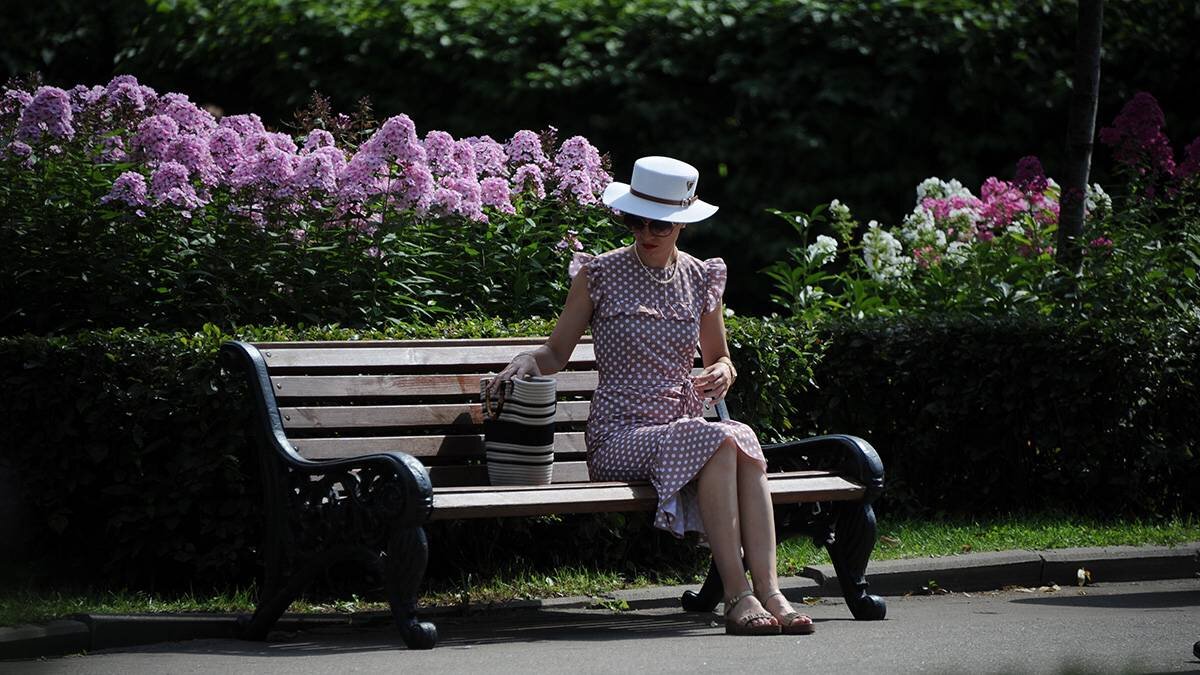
(518, 431)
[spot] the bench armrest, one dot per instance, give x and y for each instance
(411, 499)
(849, 456)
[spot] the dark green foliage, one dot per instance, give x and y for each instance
(986, 415)
(779, 103)
(128, 452)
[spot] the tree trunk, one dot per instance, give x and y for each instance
(1081, 129)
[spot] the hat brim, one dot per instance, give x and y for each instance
(618, 196)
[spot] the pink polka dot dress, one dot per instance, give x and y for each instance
(646, 419)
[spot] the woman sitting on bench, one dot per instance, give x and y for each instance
(649, 305)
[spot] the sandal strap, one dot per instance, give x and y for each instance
(789, 618)
(733, 602)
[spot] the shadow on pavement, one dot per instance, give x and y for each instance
(1153, 600)
(461, 633)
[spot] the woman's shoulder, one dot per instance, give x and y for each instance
(704, 266)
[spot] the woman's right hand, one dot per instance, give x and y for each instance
(523, 365)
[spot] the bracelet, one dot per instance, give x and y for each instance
(729, 363)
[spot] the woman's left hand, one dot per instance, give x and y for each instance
(714, 382)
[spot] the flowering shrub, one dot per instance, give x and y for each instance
(186, 218)
(995, 252)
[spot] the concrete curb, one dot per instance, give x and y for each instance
(968, 572)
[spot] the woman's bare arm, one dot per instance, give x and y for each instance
(719, 374)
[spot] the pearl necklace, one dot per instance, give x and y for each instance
(670, 277)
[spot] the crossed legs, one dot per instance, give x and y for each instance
(735, 505)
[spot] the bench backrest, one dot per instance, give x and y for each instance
(348, 399)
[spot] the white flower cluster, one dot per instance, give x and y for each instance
(1096, 200)
(882, 252)
(823, 251)
(838, 210)
(937, 188)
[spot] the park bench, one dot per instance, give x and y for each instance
(361, 443)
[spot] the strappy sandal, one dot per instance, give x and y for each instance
(787, 622)
(743, 626)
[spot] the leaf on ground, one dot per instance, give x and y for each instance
(1083, 577)
(1052, 588)
(891, 541)
(810, 600)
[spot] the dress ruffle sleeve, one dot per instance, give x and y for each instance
(715, 274)
(587, 261)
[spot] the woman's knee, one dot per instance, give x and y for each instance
(724, 459)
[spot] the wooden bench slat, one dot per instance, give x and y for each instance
(350, 386)
(490, 502)
(423, 415)
(489, 357)
(475, 475)
(376, 344)
(446, 446)
(488, 489)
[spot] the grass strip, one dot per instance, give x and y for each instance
(899, 538)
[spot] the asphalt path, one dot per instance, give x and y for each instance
(1143, 627)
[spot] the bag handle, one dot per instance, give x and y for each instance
(487, 400)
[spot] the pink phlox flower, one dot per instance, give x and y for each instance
(191, 119)
(393, 139)
(1002, 203)
(490, 159)
(413, 186)
(494, 192)
(129, 188)
(576, 184)
(445, 200)
(439, 152)
(374, 252)
(470, 206)
(528, 178)
(358, 177)
(84, 97)
(283, 141)
(225, 148)
(170, 185)
(154, 136)
(1030, 176)
(464, 157)
(1101, 242)
(14, 101)
(926, 256)
(1137, 139)
(19, 149)
(525, 147)
(317, 138)
(299, 234)
(47, 117)
(570, 242)
(126, 94)
(192, 152)
(577, 154)
(112, 149)
(318, 170)
(1190, 166)
(244, 125)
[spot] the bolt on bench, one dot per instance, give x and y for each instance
(363, 442)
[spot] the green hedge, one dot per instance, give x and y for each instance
(780, 103)
(129, 454)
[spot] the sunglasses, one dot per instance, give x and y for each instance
(656, 227)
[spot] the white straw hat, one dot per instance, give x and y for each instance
(661, 188)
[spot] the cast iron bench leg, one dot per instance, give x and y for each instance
(408, 552)
(850, 551)
(710, 593)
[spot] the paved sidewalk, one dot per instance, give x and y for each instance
(1133, 627)
(1046, 570)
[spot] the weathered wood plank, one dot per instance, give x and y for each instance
(475, 356)
(430, 415)
(489, 502)
(457, 476)
(570, 382)
(442, 447)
